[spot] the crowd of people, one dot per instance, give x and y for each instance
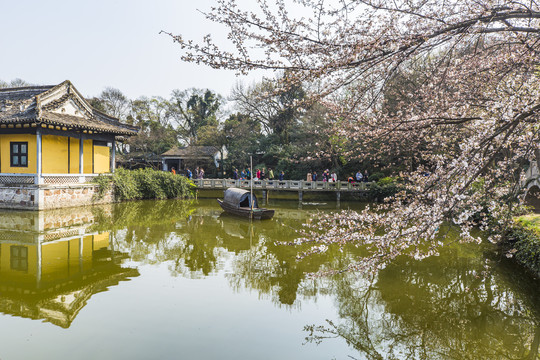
(263, 174)
(259, 174)
(199, 173)
(332, 177)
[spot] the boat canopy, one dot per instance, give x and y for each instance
(239, 198)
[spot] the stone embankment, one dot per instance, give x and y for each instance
(41, 197)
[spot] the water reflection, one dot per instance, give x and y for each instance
(464, 304)
(50, 264)
(195, 239)
(455, 306)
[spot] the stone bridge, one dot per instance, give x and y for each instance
(299, 186)
(532, 184)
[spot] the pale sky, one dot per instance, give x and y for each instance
(107, 43)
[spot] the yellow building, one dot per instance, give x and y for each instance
(51, 134)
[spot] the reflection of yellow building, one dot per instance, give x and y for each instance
(51, 274)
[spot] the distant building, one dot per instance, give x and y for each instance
(54, 130)
(207, 157)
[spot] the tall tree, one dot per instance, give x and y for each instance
(193, 109)
(14, 83)
(242, 136)
(276, 109)
(484, 87)
(157, 134)
(113, 102)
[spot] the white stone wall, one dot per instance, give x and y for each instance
(51, 197)
(19, 197)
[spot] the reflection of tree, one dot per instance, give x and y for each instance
(273, 269)
(456, 306)
(195, 251)
(158, 231)
(195, 238)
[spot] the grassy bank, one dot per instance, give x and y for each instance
(145, 184)
(523, 242)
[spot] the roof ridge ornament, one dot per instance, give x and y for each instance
(38, 107)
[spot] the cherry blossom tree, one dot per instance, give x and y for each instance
(455, 82)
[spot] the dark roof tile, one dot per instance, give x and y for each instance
(19, 105)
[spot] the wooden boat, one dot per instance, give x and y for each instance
(239, 202)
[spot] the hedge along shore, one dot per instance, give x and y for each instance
(523, 242)
(121, 186)
(144, 184)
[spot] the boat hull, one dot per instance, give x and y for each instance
(257, 214)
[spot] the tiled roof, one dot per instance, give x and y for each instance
(37, 104)
(192, 152)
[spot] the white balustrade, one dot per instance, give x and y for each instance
(296, 185)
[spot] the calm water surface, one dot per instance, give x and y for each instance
(178, 280)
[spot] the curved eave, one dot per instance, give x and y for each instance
(18, 121)
(125, 132)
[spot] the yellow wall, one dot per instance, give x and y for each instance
(5, 163)
(87, 156)
(74, 256)
(5, 264)
(101, 241)
(54, 154)
(87, 251)
(62, 259)
(59, 259)
(54, 260)
(101, 159)
(74, 156)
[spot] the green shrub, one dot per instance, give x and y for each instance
(385, 181)
(384, 188)
(376, 176)
(145, 184)
(104, 183)
(525, 244)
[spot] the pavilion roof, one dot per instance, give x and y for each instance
(191, 152)
(58, 105)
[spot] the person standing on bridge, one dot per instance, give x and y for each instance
(359, 176)
(281, 176)
(309, 177)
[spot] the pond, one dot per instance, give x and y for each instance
(180, 280)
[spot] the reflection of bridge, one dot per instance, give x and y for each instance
(299, 186)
